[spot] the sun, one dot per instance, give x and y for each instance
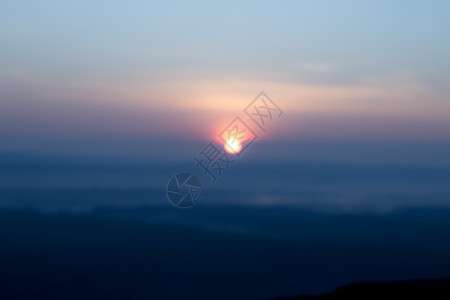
(233, 146)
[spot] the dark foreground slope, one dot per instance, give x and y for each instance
(214, 253)
(421, 290)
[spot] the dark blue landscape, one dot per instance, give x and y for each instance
(307, 232)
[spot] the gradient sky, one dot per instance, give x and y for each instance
(75, 72)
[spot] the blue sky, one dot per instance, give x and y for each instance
(179, 70)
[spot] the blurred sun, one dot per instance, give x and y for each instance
(233, 146)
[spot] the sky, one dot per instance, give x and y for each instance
(144, 78)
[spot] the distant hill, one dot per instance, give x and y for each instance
(429, 290)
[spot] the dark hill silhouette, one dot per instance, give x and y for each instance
(426, 290)
(217, 253)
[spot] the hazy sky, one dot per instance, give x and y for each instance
(340, 70)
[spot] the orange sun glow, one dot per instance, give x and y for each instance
(233, 146)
